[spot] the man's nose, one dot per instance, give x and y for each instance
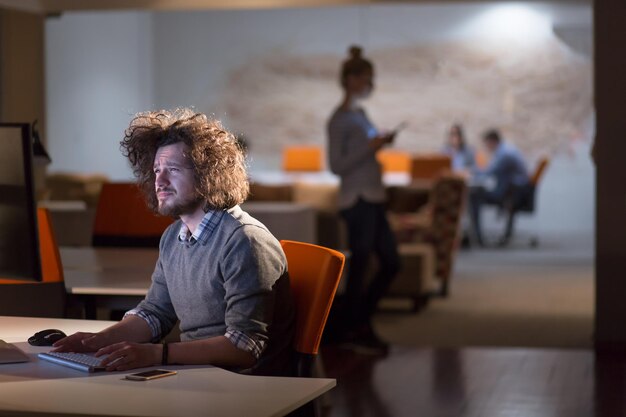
(160, 178)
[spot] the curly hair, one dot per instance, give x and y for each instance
(217, 159)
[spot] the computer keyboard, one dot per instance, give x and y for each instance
(81, 361)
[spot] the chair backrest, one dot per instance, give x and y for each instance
(448, 201)
(429, 166)
(394, 161)
(542, 164)
(525, 200)
(302, 158)
(51, 267)
(40, 299)
(123, 218)
(314, 273)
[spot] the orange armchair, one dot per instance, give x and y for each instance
(314, 273)
(302, 158)
(38, 299)
(123, 219)
(394, 161)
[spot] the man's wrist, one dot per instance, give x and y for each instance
(158, 354)
(164, 354)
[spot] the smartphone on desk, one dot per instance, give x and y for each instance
(147, 375)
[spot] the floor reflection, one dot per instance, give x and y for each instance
(475, 382)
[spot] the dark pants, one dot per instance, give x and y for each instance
(368, 232)
(508, 199)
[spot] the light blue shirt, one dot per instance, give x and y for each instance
(352, 159)
(507, 167)
(462, 159)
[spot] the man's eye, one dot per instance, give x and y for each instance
(156, 171)
(174, 169)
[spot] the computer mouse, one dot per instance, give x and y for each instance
(46, 337)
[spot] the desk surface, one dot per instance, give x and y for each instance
(108, 271)
(318, 177)
(42, 388)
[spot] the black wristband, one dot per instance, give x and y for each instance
(164, 356)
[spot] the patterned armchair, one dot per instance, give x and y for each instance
(436, 226)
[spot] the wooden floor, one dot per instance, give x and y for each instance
(475, 382)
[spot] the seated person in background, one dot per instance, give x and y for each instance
(508, 168)
(459, 151)
(220, 271)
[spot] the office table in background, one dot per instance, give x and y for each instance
(286, 220)
(40, 388)
(113, 278)
(108, 271)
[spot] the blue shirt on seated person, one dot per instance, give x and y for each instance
(506, 166)
(512, 182)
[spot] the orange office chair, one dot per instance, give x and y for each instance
(314, 273)
(539, 170)
(123, 219)
(38, 299)
(302, 158)
(394, 161)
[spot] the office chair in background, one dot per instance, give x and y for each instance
(38, 299)
(314, 273)
(525, 204)
(124, 220)
(302, 158)
(394, 161)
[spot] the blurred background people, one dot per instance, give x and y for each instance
(353, 142)
(507, 169)
(460, 153)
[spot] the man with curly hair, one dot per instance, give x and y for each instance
(220, 272)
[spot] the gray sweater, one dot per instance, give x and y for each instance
(234, 278)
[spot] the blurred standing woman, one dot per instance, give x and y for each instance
(352, 145)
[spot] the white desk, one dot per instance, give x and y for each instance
(40, 388)
(112, 278)
(108, 271)
(318, 177)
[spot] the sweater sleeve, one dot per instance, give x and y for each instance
(157, 303)
(252, 266)
(343, 160)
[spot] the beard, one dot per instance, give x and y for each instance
(177, 208)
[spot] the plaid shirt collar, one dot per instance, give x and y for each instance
(206, 227)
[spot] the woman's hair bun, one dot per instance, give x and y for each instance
(355, 51)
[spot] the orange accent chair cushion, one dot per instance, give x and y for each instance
(302, 158)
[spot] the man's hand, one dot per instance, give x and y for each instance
(80, 342)
(128, 355)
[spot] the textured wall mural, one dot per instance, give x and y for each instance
(540, 97)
